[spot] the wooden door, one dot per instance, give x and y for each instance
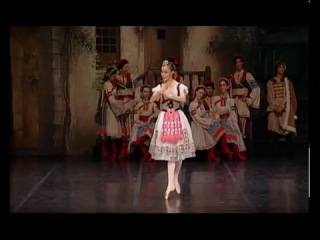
(24, 46)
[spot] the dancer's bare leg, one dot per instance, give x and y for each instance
(176, 176)
(170, 187)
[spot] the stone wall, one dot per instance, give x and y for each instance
(132, 48)
(83, 100)
(82, 96)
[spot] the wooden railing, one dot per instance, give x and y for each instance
(191, 78)
(143, 76)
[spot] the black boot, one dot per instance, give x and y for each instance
(275, 144)
(289, 147)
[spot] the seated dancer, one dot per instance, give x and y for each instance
(209, 92)
(138, 84)
(145, 116)
(206, 127)
(225, 107)
(116, 107)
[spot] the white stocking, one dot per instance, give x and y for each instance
(170, 187)
(176, 176)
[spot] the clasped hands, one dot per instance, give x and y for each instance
(164, 91)
(243, 98)
(216, 117)
(278, 109)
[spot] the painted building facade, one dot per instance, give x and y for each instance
(53, 98)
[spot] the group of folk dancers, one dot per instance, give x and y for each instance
(128, 113)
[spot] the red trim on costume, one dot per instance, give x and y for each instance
(128, 79)
(223, 101)
(165, 110)
(149, 131)
(101, 131)
(144, 118)
(243, 77)
(128, 76)
(122, 98)
(226, 115)
(205, 105)
(217, 133)
(217, 101)
(231, 137)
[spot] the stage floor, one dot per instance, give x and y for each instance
(263, 184)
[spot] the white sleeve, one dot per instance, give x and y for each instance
(156, 89)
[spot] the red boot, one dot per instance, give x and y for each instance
(146, 154)
(123, 167)
(225, 147)
(240, 155)
(140, 140)
(114, 149)
(211, 155)
(104, 149)
(124, 149)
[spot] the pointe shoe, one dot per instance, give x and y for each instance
(166, 195)
(168, 191)
(177, 186)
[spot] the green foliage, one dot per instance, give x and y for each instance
(245, 39)
(84, 39)
(98, 82)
